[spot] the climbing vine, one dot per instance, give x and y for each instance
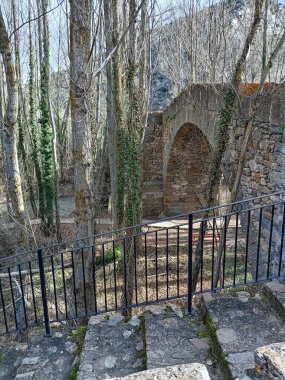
(47, 154)
(34, 130)
(222, 136)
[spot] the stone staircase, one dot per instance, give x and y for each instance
(222, 335)
(219, 341)
(238, 324)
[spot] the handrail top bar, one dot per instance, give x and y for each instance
(186, 215)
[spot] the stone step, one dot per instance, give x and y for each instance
(173, 338)
(239, 323)
(275, 293)
(47, 358)
(194, 371)
(11, 356)
(113, 347)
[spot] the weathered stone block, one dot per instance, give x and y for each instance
(270, 361)
(194, 371)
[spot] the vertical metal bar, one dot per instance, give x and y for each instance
(13, 298)
(104, 278)
(190, 255)
(22, 293)
(235, 249)
(145, 267)
(84, 281)
(136, 274)
(177, 262)
(282, 242)
(258, 245)
(156, 266)
(247, 245)
(94, 278)
(270, 240)
(43, 291)
(64, 286)
(202, 256)
(125, 274)
(167, 264)
(224, 249)
(115, 274)
(33, 293)
(54, 287)
(213, 254)
(3, 306)
(73, 281)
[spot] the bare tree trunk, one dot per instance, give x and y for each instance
(143, 51)
(264, 42)
(21, 110)
(10, 132)
(225, 116)
(81, 131)
(244, 145)
(118, 118)
(111, 125)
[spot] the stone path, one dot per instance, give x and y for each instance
(238, 324)
(243, 323)
(112, 348)
(173, 338)
(275, 293)
(10, 359)
(194, 371)
(39, 359)
(47, 359)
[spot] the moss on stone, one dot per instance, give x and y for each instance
(215, 352)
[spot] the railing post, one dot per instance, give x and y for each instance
(282, 241)
(43, 290)
(190, 257)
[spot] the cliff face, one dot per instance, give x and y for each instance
(202, 45)
(161, 91)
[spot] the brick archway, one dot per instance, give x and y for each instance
(187, 171)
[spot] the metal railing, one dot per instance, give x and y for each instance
(239, 243)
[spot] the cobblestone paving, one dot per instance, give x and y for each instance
(243, 324)
(39, 358)
(10, 359)
(112, 348)
(47, 359)
(172, 339)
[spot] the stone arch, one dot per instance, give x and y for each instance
(187, 170)
(198, 106)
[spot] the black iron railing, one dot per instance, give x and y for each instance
(239, 243)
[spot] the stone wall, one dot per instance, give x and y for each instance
(196, 109)
(178, 146)
(187, 175)
(264, 170)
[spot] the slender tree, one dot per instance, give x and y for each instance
(34, 127)
(81, 130)
(225, 116)
(10, 131)
(255, 101)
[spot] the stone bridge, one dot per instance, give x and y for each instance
(179, 142)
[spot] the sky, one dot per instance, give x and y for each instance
(54, 18)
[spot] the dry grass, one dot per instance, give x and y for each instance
(160, 271)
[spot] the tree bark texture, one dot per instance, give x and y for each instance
(10, 132)
(81, 130)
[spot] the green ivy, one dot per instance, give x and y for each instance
(34, 133)
(25, 161)
(47, 153)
